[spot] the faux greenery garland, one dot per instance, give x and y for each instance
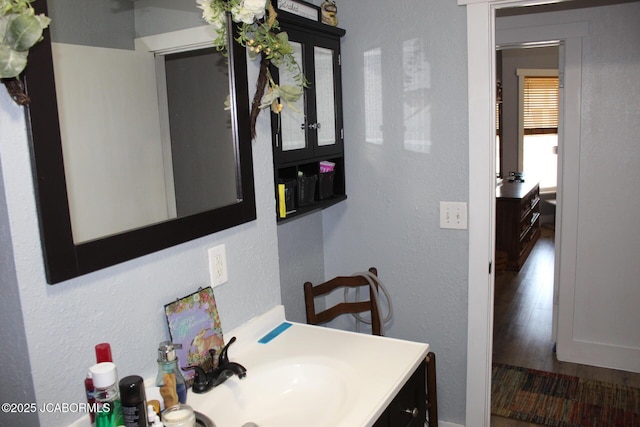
(20, 29)
(260, 32)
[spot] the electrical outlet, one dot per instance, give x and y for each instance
(218, 265)
(453, 215)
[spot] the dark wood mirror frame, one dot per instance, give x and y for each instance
(63, 258)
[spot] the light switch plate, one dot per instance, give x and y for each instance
(218, 265)
(453, 215)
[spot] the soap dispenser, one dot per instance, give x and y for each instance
(168, 365)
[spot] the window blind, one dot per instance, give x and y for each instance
(540, 105)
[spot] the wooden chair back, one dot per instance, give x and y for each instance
(311, 292)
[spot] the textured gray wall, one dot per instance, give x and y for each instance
(300, 247)
(391, 218)
(17, 386)
(122, 304)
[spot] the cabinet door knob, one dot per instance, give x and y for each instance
(414, 412)
(310, 126)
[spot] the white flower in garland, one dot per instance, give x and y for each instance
(213, 13)
(248, 11)
(259, 31)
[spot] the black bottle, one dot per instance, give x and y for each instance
(133, 401)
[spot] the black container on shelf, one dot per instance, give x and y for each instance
(325, 185)
(289, 193)
(306, 189)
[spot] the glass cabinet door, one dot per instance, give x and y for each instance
(292, 117)
(311, 126)
(325, 96)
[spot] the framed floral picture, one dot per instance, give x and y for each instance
(194, 323)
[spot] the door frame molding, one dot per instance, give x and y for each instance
(481, 42)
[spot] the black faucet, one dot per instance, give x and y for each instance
(205, 381)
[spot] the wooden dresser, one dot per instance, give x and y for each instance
(517, 220)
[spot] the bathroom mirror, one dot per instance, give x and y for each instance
(214, 189)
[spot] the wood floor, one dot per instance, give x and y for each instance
(523, 309)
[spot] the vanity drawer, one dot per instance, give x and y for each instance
(409, 407)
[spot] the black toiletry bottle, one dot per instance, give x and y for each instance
(133, 401)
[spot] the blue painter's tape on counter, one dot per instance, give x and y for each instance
(275, 332)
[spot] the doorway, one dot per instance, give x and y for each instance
(482, 98)
(527, 111)
(481, 42)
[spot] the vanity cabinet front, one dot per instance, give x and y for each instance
(310, 130)
(409, 406)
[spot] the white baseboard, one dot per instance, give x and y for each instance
(603, 355)
(448, 424)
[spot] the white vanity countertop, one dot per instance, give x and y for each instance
(371, 369)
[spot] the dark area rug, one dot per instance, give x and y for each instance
(561, 400)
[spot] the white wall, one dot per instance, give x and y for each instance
(59, 325)
(602, 300)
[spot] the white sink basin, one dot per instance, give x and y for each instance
(302, 375)
(302, 392)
